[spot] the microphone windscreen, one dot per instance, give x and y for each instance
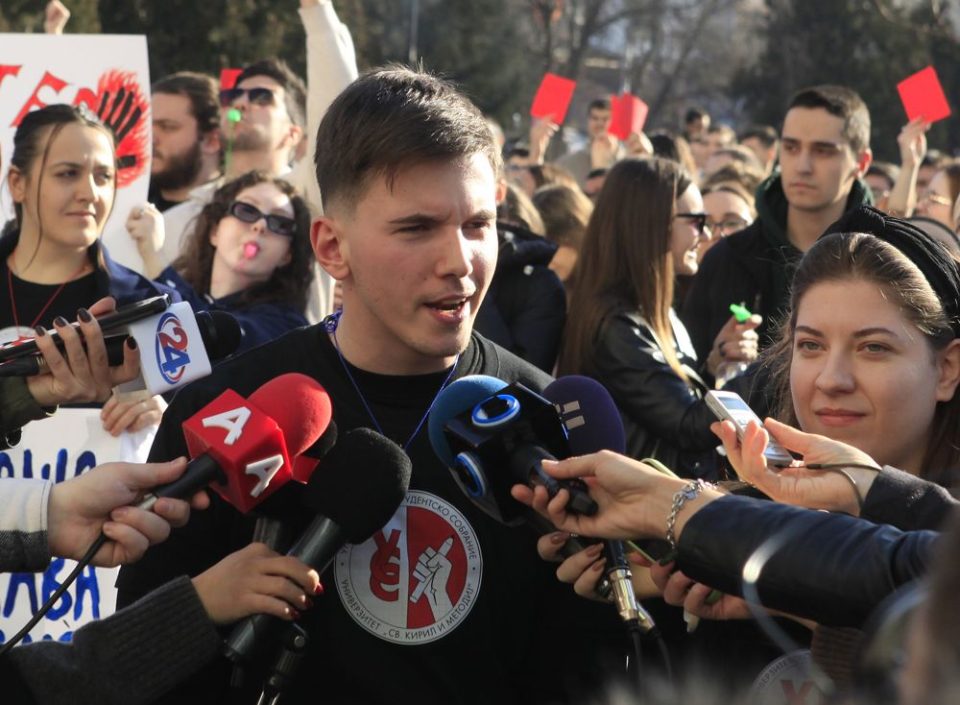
(459, 396)
(220, 332)
(300, 406)
(287, 502)
(363, 480)
(589, 414)
(324, 444)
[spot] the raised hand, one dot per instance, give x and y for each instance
(55, 17)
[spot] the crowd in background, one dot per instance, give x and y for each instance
(781, 262)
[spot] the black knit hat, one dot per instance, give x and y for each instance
(932, 259)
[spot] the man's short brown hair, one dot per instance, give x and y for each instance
(390, 119)
(843, 102)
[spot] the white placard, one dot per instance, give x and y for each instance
(59, 448)
(41, 69)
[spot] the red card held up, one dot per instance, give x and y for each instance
(553, 98)
(228, 78)
(629, 114)
(923, 96)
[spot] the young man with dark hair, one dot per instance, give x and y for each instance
(185, 110)
(409, 175)
(602, 149)
(825, 150)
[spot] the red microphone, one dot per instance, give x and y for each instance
(247, 449)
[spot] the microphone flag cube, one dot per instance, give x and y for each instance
(246, 443)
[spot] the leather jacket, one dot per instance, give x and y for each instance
(664, 417)
(833, 568)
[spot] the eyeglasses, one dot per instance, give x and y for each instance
(725, 227)
(698, 219)
(279, 224)
(936, 198)
(257, 96)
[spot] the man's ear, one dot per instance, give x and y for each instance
(329, 248)
(501, 190)
(294, 139)
(864, 159)
(210, 143)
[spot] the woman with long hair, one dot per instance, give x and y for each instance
(621, 327)
(248, 253)
(63, 180)
(881, 371)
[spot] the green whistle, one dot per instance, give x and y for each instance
(740, 312)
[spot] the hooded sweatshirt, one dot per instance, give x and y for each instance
(753, 267)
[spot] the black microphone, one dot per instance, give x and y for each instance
(219, 331)
(282, 515)
(362, 482)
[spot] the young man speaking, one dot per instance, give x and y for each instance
(408, 171)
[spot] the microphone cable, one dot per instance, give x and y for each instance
(58, 593)
(637, 620)
(750, 577)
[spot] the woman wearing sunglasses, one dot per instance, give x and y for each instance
(247, 253)
(621, 328)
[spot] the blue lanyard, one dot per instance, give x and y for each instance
(331, 323)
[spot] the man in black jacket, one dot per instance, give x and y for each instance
(825, 149)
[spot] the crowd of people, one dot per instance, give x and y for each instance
(388, 212)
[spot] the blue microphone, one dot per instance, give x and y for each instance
(493, 436)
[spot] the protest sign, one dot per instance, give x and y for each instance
(107, 73)
(67, 444)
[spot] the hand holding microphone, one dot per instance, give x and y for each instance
(99, 500)
(362, 483)
(81, 372)
(257, 580)
(77, 363)
(238, 450)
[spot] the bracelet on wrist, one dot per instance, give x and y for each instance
(689, 492)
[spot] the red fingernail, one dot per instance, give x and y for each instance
(319, 589)
(295, 614)
(60, 322)
(558, 538)
(40, 331)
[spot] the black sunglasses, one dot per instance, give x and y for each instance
(279, 224)
(699, 219)
(257, 96)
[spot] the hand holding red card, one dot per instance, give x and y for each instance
(553, 98)
(629, 114)
(923, 96)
